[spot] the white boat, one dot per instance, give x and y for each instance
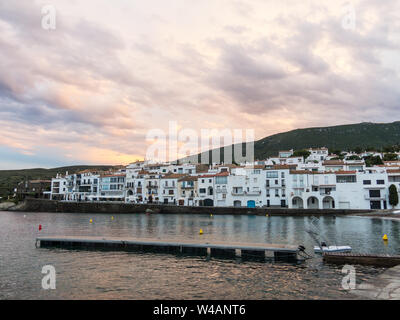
(332, 249)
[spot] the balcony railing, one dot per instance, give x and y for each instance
(238, 193)
(253, 193)
(169, 187)
(373, 198)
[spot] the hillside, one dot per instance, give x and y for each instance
(343, 137)
(10, 178)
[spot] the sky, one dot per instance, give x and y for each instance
(85, 82)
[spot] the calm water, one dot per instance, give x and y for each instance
(122, 275)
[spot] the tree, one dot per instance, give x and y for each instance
(354, 157)
(390, 157)
(388, 149)
(358, 150)
(302, 153)
(393, 196)
(373, 161)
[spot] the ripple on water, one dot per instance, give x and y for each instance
(122, 275)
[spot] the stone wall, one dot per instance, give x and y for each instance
(41, 205)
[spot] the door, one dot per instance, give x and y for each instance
(375, 205)
(251, 204)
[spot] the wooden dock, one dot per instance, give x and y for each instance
(361, 259)
(257, 251)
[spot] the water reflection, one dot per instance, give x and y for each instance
(139, 276)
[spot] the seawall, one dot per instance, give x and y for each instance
(40, 205)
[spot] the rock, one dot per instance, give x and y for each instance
(6, 205)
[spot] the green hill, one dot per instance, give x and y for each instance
(344, 137)
(10, 178)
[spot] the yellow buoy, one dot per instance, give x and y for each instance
(201, 231)
(211, 215)
(385, 237)
(90, 220)
(112, 218)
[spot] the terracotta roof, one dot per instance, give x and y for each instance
(113, 175)
(346, 172)
(188, 178)
(299, 172)
(393, 171)
(309, 172)
(173, 176)
(231, 165)
(258, 166)
(221, 174)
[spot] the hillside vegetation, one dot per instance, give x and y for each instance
(371, 136)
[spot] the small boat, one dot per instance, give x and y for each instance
(332, 249)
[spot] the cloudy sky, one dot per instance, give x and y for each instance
(90, 90)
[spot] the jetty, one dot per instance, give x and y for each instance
(251, 251)
(377, 260)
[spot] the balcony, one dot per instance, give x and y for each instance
(152, 186)
(221, 190)
(368, 197)
(253, 193)
(187, 187)
(238, 193)
(169, 187)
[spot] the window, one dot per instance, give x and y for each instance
(267, 183)
(366, 181)
(209, 180)
(380, 181)
(272, 174)
(276, 182)
(346, 179)
(282, 175)
(374, 193)
(202, 190)
(221, 180)
(276, 192)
